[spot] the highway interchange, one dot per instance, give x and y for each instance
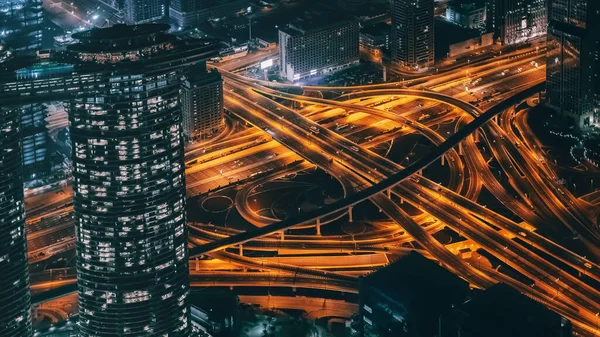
(472, 120)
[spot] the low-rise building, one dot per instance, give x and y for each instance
(375, 40)
(452, 40)
(502, 311)
(407, 298)
(215, 311)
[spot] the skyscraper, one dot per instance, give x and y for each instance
(516, 21)
(15, 299)
(129, 188)
(202, 103)
(573, 87)
(144, 11)
(412, 33)
(21, 24)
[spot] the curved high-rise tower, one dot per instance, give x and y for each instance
(15, 299)
(129, 189)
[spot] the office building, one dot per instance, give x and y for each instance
(501, 311)
(374, 41)
(36, 156)
(317, 44)
(21, 24)
(467, 13)
(121, 85)
(129, 185)
(15, 298)
(516, 21)
(190, 13)
(202, 103)
(407, 298)
(572, 68)
(144, 11)
(413, 34)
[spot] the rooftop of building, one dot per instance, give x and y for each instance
(121, 31)
(121, 38)
(198, 74)
(216, 303)
(466, 5)
(417, 274)
(315, 20)
(503, 311)
(378, 29)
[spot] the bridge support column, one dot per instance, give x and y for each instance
(318, 226)
(401, 200)
(443, 157)
(241, 250)
(477, 136)
(350, 214)
(420, 172)
(198, 264)
(282, 233)
(460, 151)
(496, 119)
(389, 193)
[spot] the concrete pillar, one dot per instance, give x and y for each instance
(389, 193)
(198, 264)
(384, 74)
(496, 119)
(318, 226)
(241, 250)
(401, 200)
(460, 152)
(443, 156)
(350, 214)
(420, 172)
(282, 235)
(477, 136)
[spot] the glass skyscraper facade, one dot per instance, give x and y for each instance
(15, 299)
(412, 33)
(144, 11)
(21, 26)
(516, 21)
(572, 59)
(129, 187)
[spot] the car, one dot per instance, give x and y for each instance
(354, 148)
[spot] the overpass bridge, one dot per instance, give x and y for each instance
(381, 187)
